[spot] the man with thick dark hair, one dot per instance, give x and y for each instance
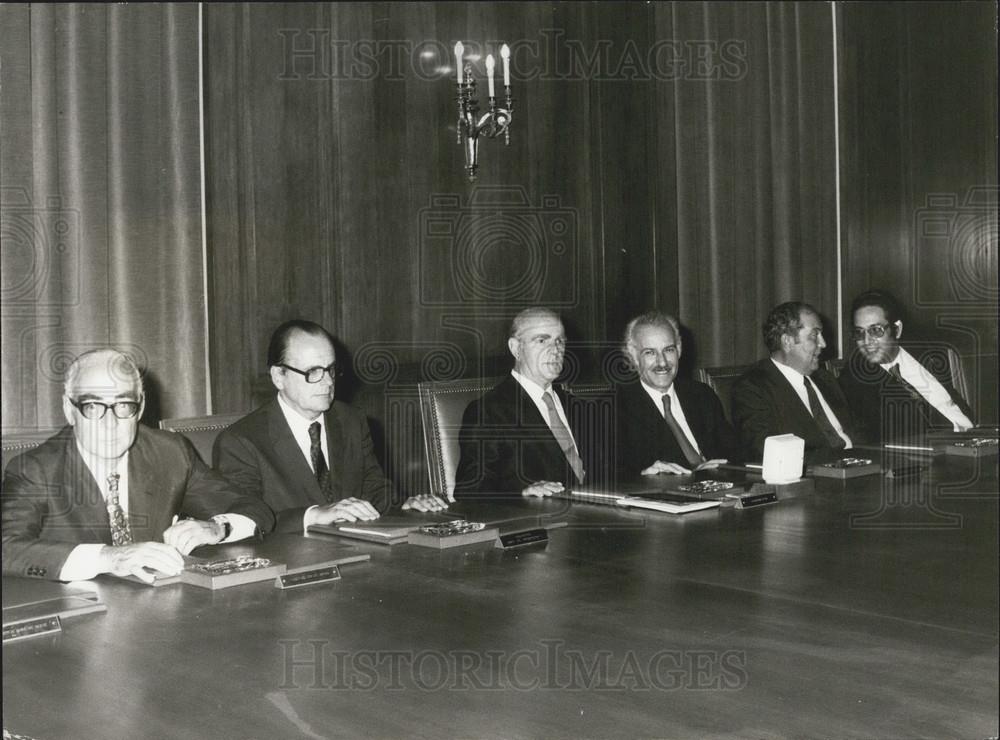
(891, 393)
(788, 393)
(308, 457)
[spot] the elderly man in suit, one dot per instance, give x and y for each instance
(667, 424)
(788, 393)
(100, 495)
(309, 457)
(891, 394)
(517, 438)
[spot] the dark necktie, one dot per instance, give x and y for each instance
(120, 532)
(690, 453)
(318, 460)
(833, 439)
(898, 376)
(563, 437)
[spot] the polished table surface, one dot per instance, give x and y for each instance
(866, 609)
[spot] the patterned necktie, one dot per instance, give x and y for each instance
(563, 437)
(120, 532)
(833, 439)
(690, 453)
(898, 376)
(318, 460)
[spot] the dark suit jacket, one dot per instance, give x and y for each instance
(259, 454)
(765, 404)
(644, 437)
(506, 445)
(883, 407)
(51, 502)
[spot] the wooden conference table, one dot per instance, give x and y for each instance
(865, 609)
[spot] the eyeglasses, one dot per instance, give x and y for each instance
(315, 374)
(95, 410)
(875, 331)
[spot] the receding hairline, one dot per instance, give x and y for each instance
(530, 314)
(652, 319)
(117, 364)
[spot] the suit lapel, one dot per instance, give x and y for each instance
(695, 421)
(790, 399)
(89, 509)
(335, 446)
(144, 506)
(288, 455)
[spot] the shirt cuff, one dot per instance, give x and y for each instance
(242, 526)
(83, 563)
(305, 517)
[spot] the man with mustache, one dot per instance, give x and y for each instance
(309, 457)
(517, 438)
(666, 424)
(788, 393)
(104, 494)
(890, 392)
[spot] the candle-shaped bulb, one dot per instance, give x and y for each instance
(459, 50)
(505, 55)
(490, 64)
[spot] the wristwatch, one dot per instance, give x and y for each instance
(227, 528)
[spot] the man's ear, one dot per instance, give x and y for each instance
(515, 347)
(142, 405)
(277, 377)
(897, 329)
(67, 409)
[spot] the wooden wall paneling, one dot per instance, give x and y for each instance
(919, 126)
(233, 329)
(624, 115)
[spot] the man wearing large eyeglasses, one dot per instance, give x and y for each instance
(104, 494)
(309, 457)
(891, 393)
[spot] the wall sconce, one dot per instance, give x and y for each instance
(493, 123)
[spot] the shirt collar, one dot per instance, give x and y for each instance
(100, 468)
(794, 376)
(531, 387)
(903, 358)
(297, 422)
(657, 395)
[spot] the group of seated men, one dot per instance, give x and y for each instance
(107, 494)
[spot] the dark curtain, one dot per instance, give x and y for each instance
(101, 210)
(747, 186)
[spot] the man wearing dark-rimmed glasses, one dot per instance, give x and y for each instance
(891, 392)
(104, 494)
(307, 456)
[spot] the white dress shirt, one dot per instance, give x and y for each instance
(798, 383)
(675, 410)
(84, 561)
(300, 430)
(536, 392)
(930, 389)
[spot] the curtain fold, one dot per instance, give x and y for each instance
(754, 171)
(101, 209)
